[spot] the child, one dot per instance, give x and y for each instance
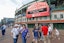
(56, 33)
(35, 35)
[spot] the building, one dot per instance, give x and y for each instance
(56, 18)
(7, 21)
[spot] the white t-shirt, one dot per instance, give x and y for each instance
(56, 32)
(4, 27)
(15, 32)
(49, 28)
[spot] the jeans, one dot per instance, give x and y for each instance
(3, 32)
(15, 39)
(41, 36)
(23, 40)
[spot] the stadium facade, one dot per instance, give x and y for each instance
(56, 18)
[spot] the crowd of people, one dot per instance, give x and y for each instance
(23, 30)
(42, 32)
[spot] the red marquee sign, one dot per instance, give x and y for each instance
(38, 9)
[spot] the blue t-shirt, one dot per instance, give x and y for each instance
(35, 31)
(24, 33)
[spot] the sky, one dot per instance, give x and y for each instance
(8, 7)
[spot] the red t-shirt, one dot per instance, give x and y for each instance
(44, 30)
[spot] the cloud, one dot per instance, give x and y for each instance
(25, 1)
(7, 9)
(14, 1)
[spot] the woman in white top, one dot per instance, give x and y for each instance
(56, 33)
(15, 33)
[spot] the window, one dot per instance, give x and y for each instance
(36, 0)
(42, 10)
(19, 12)
(45, 17)
(61, 15)
(36, 19)
(55, 16)
(23, 14)
(33, 18)
(40, 18)
(22, 19)
(37, 11)
(25, 19)
(30, 12)
(29, 18)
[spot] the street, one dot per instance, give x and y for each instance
(8, 38)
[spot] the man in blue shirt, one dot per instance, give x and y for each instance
(35, 34)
